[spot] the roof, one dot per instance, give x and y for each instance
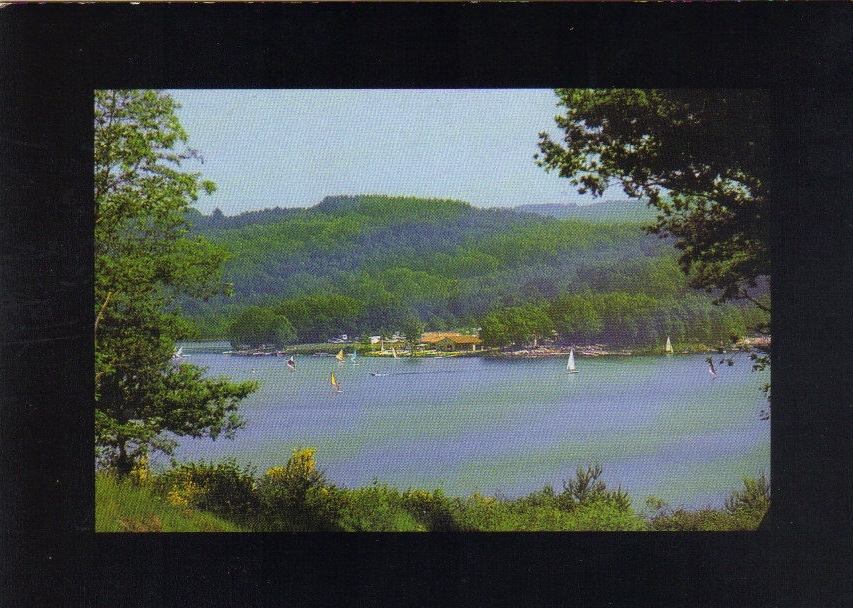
(456, 337)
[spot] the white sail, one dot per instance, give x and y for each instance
(668, 348)
(570, 365)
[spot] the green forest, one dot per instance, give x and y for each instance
(375, 264)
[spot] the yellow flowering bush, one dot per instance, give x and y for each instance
(184, 495)
(141, 471)
(296, 495)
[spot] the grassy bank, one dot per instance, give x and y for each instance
(222, 497)
(131, 506)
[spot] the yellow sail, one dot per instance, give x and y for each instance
(340, 355)
(335, 383)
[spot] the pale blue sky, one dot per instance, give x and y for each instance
(291, 148)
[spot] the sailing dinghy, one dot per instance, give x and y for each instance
(335, 384)
(570, 365)
(340, 356)
(291, 363)
(668, 348)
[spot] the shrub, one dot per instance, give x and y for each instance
(744, 510)
(433, 511)
(377, 509)
(587, 488)
(755, 496)
(605, 515)
(296, 496)
(223, 488)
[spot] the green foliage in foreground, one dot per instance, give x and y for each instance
(127, 505)
(297, 497)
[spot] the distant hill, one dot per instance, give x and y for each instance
(607, 211)
(440, 259)
(356, 264)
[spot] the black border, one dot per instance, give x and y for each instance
(54, 56)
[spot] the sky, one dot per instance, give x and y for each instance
(292, 148)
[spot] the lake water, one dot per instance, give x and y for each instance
(659, 426)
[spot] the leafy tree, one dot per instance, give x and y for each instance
(515, 325)
(257, 326)
(143, 261)
(575, 317)
(698, 156)
(413, 328)
(317, 317)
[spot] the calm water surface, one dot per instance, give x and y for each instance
(659, 426)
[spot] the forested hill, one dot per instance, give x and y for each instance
(607, 211)
(378, 261)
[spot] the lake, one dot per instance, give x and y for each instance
(659, 426)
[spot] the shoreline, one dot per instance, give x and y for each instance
(582, 351)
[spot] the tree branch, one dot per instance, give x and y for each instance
(100, 315)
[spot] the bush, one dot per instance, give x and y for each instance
(295, 497)
(223, 488)
(433, 511)
(586, 488)
(755, 497)
(377, 509)
(605, 515)
(744, 510)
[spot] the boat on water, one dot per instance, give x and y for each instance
(335, 383)
(711, 369)
(291, 363)
(570, 364)
(668, 348)
(352, 358)
(340, 356)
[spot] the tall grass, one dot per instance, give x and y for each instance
(130, 506)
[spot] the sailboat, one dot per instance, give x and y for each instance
(394, 352)
(340, 356)
(352, 358)
(570, 365)
(291, 363)
(335, 383)
(668, 348)
(711, 369)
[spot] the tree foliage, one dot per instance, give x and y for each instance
(698, 156)
(143, 260)
(256, 326)
(520, 325)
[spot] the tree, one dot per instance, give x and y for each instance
(257, 326)
(413, 328)
(515, 325)
(143, 261)
(575, 317)
(699, 157)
